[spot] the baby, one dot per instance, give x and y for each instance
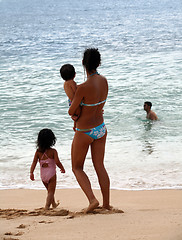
(68, 73)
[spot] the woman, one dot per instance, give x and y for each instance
(90, 129)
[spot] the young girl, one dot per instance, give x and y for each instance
(48, 159)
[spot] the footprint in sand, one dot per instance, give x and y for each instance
(8, 233)
(45, 222)
(98, 210)
(19, 233)
(10, 238)
(11, 234)
(14, 234)
(22, 226)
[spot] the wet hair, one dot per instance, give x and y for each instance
(91, 59)
(148, 103)
(45, 139)
(67, 72)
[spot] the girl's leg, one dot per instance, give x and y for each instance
(51, 186)
(54, 204)
(98, 151)
(79, 151)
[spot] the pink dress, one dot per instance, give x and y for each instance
(47, 168)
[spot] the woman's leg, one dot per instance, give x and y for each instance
(98, 151)
(79, 151)
(51, 186)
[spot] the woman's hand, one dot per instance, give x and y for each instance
(75, 117)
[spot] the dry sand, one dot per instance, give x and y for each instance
(148, 215)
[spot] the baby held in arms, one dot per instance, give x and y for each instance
(68, 74)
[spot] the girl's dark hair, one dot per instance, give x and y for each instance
(91, 59)
(45, 140)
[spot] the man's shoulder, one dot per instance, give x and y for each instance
(153, 116)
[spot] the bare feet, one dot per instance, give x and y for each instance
(93, 205)
(107, 207)
(46, 208)
(56, 204)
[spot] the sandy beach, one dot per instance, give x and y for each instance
(148, 215)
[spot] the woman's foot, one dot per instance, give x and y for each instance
(93, 205)
(46, 208)
(55, 204)
(107, 207)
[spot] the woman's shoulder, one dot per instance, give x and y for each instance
(90, 84)
(103, 78)
(81, 87)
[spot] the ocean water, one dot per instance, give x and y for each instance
(141, 47)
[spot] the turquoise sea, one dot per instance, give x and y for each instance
(141, 46)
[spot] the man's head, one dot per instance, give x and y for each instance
(147, 106)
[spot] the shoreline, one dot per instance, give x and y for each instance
(148, 215)
(97, 189)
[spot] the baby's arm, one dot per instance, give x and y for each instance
(70, 88)
(34, 163)
(58, 163)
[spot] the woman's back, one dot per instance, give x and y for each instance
(94, 92)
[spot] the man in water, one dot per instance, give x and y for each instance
(150, 114)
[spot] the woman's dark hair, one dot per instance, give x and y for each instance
(91, 59)
(45, 140)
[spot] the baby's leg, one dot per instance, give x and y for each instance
(51, 186)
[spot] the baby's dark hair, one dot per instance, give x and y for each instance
(45, 140)
(91, 59)
(149, 104)
(67, 72)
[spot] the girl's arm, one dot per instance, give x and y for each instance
(58, 163)
(34, 163)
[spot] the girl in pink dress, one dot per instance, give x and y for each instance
(48, 159)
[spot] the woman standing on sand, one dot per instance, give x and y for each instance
(90, 129)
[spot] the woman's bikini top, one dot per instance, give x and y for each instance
(92, 105)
